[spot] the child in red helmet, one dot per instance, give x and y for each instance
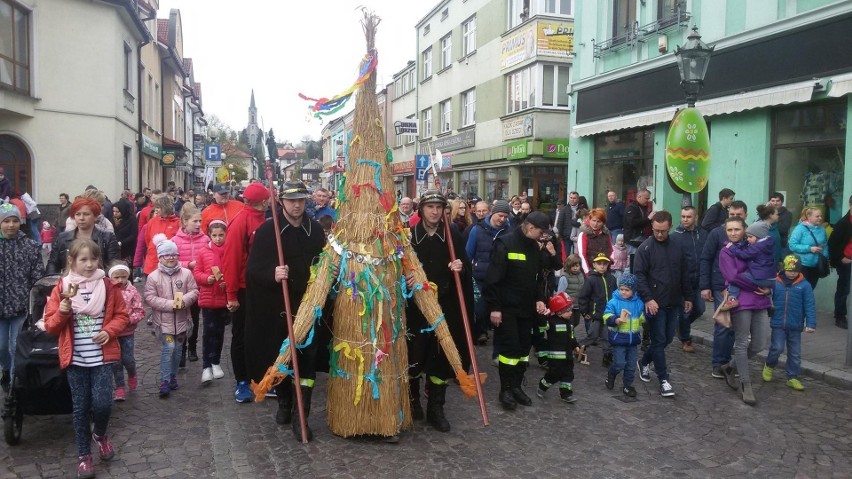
(561, 345)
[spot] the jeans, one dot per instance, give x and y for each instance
(238, 334)
(195, 312)
(793, 341)
(751, 328)
(91, 393)
(734, 290)
(128, 360)
(842, 291)
(213, 336)
(685, 319)
(9, 329)
(723, 338)
(482, 320)
(662, 325)
(170, 354)
(624, 359)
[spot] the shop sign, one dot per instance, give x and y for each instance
(516, 150)
(151, 147)
(169, 159)
(518, 127)
(405, 167)
(518, 47)
(555, 148)
(555, 39)
(465, 139)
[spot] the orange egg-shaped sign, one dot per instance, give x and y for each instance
(688, 151)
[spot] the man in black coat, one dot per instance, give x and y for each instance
(637, 222)
(785, 218)
(717, 213)
(429, 240)
(841, 238)
(265, 329)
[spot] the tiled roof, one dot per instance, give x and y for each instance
(163, 31)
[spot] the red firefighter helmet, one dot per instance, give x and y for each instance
(559, 302)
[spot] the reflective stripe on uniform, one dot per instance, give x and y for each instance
(438, 381)
(509, 361)
(518, 256)
(307, 382)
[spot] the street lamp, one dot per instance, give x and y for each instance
(692, 61)
(231, 182)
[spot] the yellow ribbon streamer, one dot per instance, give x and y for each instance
(347, 351)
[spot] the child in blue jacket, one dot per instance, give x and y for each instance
(795, 309)
(624, 315)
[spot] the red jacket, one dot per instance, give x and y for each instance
(215, 211)
(169, 226)
(62, 324)
(211, 296)
(144, 216)
(238, 240)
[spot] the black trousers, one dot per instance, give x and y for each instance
(238, 346)
(560, 363)
(513, 337)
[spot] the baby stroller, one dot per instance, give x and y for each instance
(40, 386)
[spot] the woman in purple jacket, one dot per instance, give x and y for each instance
(750, 319)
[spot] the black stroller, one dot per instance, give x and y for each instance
(40, 386)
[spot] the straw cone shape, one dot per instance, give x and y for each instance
(368, 381)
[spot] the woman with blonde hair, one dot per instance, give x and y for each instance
(809, 240)
(460, 214)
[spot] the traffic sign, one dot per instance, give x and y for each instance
(421, 163)
(213, 154)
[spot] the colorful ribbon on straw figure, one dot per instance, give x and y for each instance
(324, 106)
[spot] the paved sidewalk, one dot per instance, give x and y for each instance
(823, 352)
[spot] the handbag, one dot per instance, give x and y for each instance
(723, 318)
(822, 267)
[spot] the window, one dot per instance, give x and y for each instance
(668, 9)
(427, 63)
(497, 184)
(520, 90)
(157, 101)
(410, 138)
(469, 183)
(446, 112)
(469, 107)
(426, 30)
(128, 165)
(426, 115)
(469, 36)
(128, 68)
(149, 114)
(624, 163)
(558, 7)
(554, 88)
(447, 51)
(445, 14)
(519, 12)
(623, 18)
(14, 47)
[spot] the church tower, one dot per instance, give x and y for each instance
(252, 131)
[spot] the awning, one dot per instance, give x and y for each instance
(782, 95)
(841, 85)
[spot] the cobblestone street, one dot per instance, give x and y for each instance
(705, 431)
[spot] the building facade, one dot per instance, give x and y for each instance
(776, 100)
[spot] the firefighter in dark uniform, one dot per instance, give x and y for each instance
(428, 238)
(302, 240)
(513, 296)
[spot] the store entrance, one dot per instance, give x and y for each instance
(547, 184)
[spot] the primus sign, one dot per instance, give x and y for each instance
(516, 150)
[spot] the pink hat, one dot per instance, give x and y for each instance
(255, 193)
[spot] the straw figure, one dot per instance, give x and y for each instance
(370, 250)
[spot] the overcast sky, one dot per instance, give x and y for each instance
(284, 47)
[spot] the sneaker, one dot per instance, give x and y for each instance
(795, 384)
(85, 469)
(542, 388)
(717, 372)
(173, 384)
(629, 391)
(644, 372)
(165, 389)
(666, 389)
(272, 393)
(105, 450)
(567, 395)
(687, 347)
(242, 393)
(206, 375)
(137, 280)
(610, 381)
(767, 373)
(118, 395)
(132, 383)
(217, 372)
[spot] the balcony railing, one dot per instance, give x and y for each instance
(678, 18)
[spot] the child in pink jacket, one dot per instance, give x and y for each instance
(119, 273)
(190, 242)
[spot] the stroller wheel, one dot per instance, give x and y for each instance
(12, 426)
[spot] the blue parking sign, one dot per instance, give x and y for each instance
(213, 154)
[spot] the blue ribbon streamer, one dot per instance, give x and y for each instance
(432, 327)
(377, 173)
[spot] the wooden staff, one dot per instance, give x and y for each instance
(286, 291)
(467, 334)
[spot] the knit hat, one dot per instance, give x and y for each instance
(758, 229)
(501, 206)
(255, 193)
(792, 263)
(539, 220)
(601, 257)
(164, 245)
(8, 210)
(628, 280)
(619, 237)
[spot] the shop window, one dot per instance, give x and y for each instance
(14, 47)
(15, 160)
(808, 157)
(624, 163)
(469, 183)
(497, 184)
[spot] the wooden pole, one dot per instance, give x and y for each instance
(294, 357)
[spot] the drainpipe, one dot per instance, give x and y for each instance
(139, 83)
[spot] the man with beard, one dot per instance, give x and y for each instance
(302, 240)
(429, 240)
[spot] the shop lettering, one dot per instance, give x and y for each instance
(513, 44)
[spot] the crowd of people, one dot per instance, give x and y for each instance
(622, 275)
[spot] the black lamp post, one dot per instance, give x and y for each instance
(692, 61)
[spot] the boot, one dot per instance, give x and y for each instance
(748, 394)
(306, 401)
(414, 398)
(517, 391)
(507, 399)
(435, 406)
(607, 359)
(284, 415)
(193, 356)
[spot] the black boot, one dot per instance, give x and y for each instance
(435, 406)
(192, 354)
(414, 398)
(6, 381)
(517, 391)
(182, 359)
(284, 415)
(607, 359)
(507, 399)
(306, 402)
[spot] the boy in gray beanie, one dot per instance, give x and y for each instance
(758, 253)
